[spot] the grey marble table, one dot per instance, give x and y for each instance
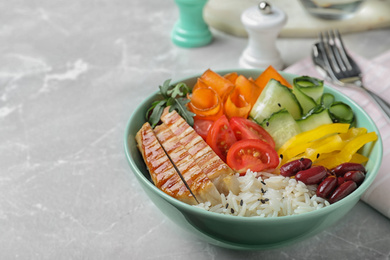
(71, 73)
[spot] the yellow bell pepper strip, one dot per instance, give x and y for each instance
(346, 153)
(310, 136)
(327, 155)
(301, 150)
(326, 149)
(316, 149)
(358, 158)
(333, 143)
(352, 133)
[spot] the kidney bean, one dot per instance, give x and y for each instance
(291, 168)
(356, 176)
(326, 187)
(329, 173)
(312, 175)
(343, 168)
(342, 191)
(340, 180)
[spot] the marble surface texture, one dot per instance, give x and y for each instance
(71, 73)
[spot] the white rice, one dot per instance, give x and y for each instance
(268, 195)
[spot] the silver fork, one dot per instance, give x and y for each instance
(331, 58)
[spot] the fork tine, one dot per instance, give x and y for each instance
(329, 53)
(352, 66)
(337, 52)
(333, 53)
(323, 46)
(343, 52)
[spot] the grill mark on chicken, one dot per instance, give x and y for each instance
(203, 189)
(161, 169)
(205, 157)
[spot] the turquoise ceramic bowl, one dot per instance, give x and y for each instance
(249, 233)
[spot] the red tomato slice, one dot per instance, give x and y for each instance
(202, 127)
(246, 129)
(252, 154)
(221, 137)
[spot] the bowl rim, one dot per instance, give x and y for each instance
(199, 211)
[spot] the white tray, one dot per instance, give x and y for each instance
(224, 15)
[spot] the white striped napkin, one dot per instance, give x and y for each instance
(376, 77)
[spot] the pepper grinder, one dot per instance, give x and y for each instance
(263, 24)
(191, 30)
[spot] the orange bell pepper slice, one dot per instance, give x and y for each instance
(205, 103)
(248, 89)
(221, 85)
(232, 76)
(236, 105)
(271, 73)
(199, 84)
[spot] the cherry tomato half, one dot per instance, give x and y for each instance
(252, 154)
(202, 127)
(246, 129)
(221, 137)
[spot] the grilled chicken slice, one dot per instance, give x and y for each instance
(200, 185)
(216, 170)
(161, 170)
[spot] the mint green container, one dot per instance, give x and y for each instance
(250, 233)
(191, 30)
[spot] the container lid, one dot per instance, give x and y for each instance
(263, 16)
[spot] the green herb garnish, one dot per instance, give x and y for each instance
(175, 97)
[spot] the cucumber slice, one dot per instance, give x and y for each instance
(305, 101)
(326, 100)
(341, 112)
(315, 119)
(314, 110)
(310, 86)
(273, 98)
(281, 126)
(307, 90)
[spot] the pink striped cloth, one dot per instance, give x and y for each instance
(376, 73)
